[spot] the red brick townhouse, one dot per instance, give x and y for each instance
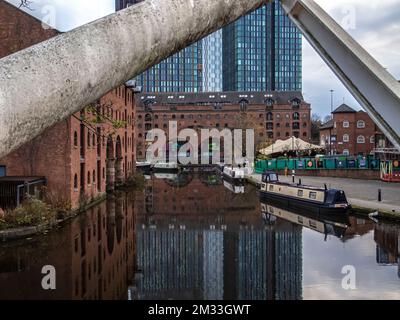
(351, 132)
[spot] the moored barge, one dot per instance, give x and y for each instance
(321, 200)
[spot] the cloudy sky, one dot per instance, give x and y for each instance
(374, 23)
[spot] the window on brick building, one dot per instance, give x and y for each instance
(346, 124)
(360, 124)
(76, 182)
(346, 152)
(360, 139)
(75, 138)
(93, 140)
(270, 116)
(287, 134)
(304, 134)
(88, 177)
(104, 173)
(296, 125)
(296, 116)
(372, 139)
(88, 139)
(94, 177)
(346, 138)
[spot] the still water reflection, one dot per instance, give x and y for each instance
(194, 236)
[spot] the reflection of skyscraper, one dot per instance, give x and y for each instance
(213, 268)
(277, 273)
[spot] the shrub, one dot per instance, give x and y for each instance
(32, 212)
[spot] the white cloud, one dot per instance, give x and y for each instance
(377, 29)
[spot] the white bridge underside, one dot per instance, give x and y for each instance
(377, 91)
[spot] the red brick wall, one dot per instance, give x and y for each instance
(352, 145)
(19, 30)
(255, 117)
(54, 154)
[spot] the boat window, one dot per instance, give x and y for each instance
(313, 195)
(340, 197)
(313, 224)
(273, 177)
(271, 188)
(300, 193)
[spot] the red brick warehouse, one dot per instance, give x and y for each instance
(272, 115)
(72, 155)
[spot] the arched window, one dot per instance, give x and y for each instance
(148, 117)
(360, 124)
(296, 116)
(346, 138)
(88, 177)
(94, 176)
(360, 139)
(88, 139)
(75, 138)
(270, 116)
(76, 182)
(93, 140)
(104, 173)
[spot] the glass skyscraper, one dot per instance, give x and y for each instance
(262, 51)
(259, 52)
(212, 62)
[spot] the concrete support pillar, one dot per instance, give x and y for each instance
(119, 172)
(110, 175)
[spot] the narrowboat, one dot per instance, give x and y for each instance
(335, 225)
(321, 200)
(234, 174)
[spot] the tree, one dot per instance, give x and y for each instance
(316, 123)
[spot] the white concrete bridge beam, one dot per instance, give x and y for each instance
(377, 91)
(46, 83)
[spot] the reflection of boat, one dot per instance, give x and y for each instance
(335, 225)
(234, 188)
(143, 165)
(165, 167)
(232, 173)
(166, 176)
(322, 200)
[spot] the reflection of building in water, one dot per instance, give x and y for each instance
(270, 263)
(216, 247)
(213, 264)
(93, 257)
(387, 238)
(245, 263)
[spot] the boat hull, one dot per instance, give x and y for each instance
(302, 205)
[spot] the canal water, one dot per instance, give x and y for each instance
(195, 236)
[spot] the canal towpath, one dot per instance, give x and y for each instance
(362, 194)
